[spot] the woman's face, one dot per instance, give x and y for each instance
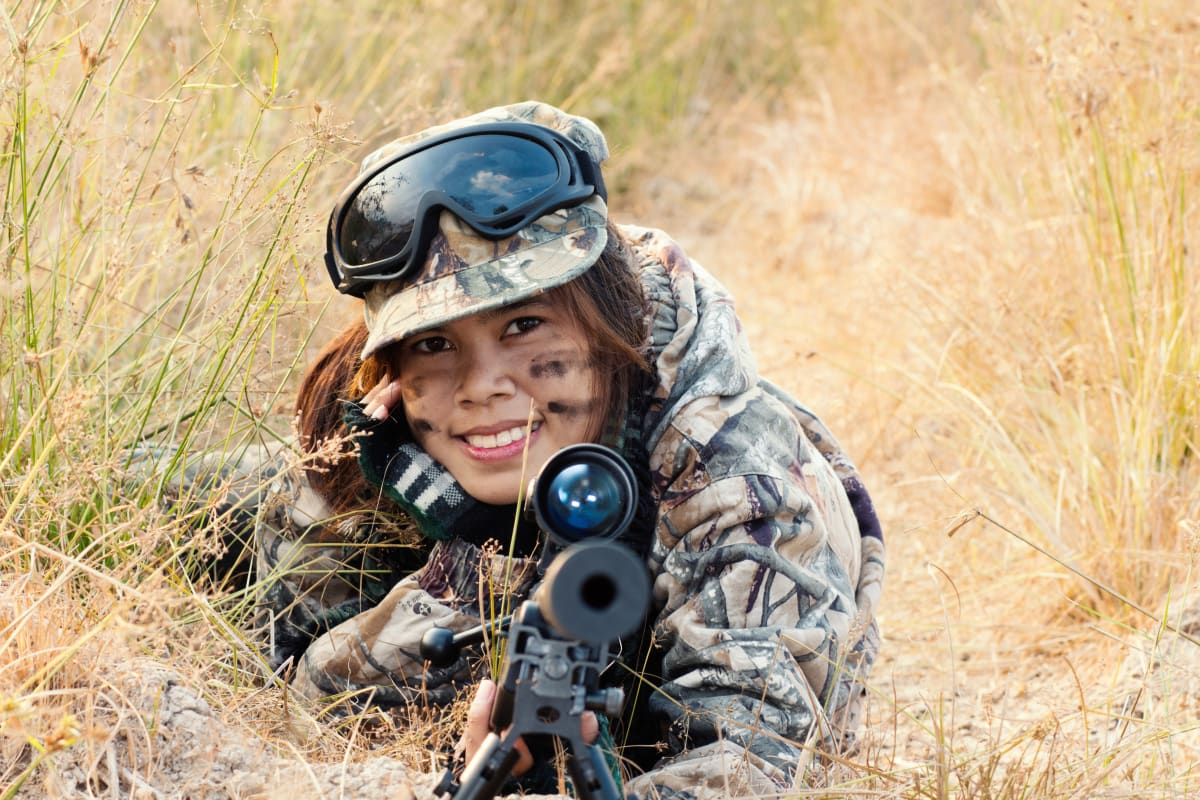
(470, 389)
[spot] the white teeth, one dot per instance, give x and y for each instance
(501, 439)
(481, 441)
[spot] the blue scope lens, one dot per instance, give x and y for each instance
(585, 501)
(584, 491)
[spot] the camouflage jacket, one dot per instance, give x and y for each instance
(766, 558)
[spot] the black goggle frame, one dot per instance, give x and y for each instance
(578, 179)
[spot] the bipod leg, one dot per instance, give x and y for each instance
(489, 769)
(589, 772)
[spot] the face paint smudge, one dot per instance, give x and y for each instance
(568, 410)
(423, 426)
(414, 389)
(549, 369)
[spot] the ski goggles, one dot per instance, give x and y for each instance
(497, 177)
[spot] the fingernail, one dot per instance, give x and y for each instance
(379, 413)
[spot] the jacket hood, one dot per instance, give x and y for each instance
(696, 344)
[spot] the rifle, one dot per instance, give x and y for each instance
(593, 591)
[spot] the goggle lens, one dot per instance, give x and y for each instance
(490, 176)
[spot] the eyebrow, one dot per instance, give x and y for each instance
(511, 307)
(492, 313)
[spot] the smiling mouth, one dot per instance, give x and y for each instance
(501, 439)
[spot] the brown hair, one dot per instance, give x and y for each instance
(332, 470)
(607, 303)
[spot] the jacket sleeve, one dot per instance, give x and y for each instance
(255, 516)
(214, 494)
(757, 559)
(374, 656)
(315, 569)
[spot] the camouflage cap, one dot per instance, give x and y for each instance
(465, 273)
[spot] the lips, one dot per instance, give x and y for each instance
(491, 441)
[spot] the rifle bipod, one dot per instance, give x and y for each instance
(548, 681)
(592, 593)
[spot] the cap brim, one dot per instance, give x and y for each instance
(547, 257)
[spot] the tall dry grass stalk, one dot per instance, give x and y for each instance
(1057, 321)
(990, 204)
(985, 211)
(1076, 357)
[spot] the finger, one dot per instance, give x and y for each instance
(482, 702)
(524, 758)
(590, 726)
(382, 399)
(389, 396)
(370, 396)
(479, 714)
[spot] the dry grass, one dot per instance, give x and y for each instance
(958, 231)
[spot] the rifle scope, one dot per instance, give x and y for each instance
(595, 590)
(585, 491)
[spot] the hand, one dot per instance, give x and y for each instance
(479, 717)
(379, 402)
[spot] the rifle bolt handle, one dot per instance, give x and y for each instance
(438, 647)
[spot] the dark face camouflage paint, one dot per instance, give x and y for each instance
(423, 426)
(549, 369)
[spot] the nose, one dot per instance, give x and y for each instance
(484, 376)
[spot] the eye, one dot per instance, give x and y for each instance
(431, 344)
(522, 325)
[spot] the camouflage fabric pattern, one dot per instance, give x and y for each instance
(375, 657)
(315, 570)
(580, 130)
(767, 588)
(465, 273)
